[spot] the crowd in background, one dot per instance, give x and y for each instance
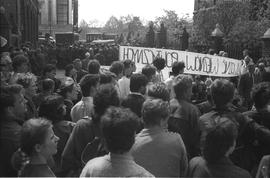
(115, 122)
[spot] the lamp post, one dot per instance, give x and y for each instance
(266, 44)
(217, 37)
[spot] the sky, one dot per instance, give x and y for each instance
(99, 11)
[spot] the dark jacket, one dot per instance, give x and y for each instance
(10, 130)
(198, 167)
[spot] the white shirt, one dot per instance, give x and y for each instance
(124, 87)
(169, 84)
(83, 108)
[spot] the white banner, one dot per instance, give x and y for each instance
(196, 63)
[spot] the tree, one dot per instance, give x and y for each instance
(162, 36)
(113, 25)
(150, 36)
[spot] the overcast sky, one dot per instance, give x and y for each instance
(101, 10)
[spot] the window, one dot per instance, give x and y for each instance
(62, 12)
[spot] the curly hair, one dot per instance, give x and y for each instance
(159, 63)
(260, 94)
(159, 90)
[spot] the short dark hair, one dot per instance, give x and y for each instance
(18, 61)
(177, 66)
(106, 77)
(127, 63)
(106, 96)
(154, 110)
(219, 140)
(93, 66)
(51, 108)
(159, 90)
(48, 84)
(68, 68)
(33, 132)
(119, 126)
(87, 82)
(181, 84)
(261, 94)
(7, 97)
(48, 68)
(222, 92)
(159, 63)
(117, 67)
(137, 81)
(149, 71)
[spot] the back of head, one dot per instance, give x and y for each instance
(106, 96)
(117, 67)
(261, 95)
(137, 81)
(48, 68)
(149, 71)
(182, 85)
(177, 67)
(18, 61)
(107, 77)
(127, 63)
(159, 63)
(48, 85)
(155, 110)
(52, 108)
(159, 90)
(119, 126)
(88, 81)
(7, 97)
(68, 69)
(222, 92)
(93, 66)
(219, 140)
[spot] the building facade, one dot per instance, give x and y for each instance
(19, 21)
(57, 16)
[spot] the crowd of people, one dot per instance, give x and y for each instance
(117, 122)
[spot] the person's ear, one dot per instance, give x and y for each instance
(38, 148)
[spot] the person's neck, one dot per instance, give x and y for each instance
(152, 127)
(38, 159)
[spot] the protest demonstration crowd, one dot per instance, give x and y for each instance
(127, 123)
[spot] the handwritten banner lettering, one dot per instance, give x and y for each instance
(196, 63)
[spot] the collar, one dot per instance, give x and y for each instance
(151, 131)
(126, 156)
(87, 99)
(136, 93)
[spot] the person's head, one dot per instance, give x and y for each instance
(118, 126)
(53, 108)
(87, 55)
(70, 71)
(12, 101)
(211, 51)
(20, 64)
(261, 96)
(182, 85)
(5, 63)
(138, 83)
(93, 66)
(49, 71)
(29, 84)
(159, 63)
(106, 96)
(149, 71)
(107, 77)
(155, 112)
(222, 92)
(127, 67)
(47, 85)
(77, 64)
(89, 84)
(220, 141)
(159, 90)
(251, 67)
(245, 52)
(117, 67)
(178, 68)
(38, 138)
(68, 89)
